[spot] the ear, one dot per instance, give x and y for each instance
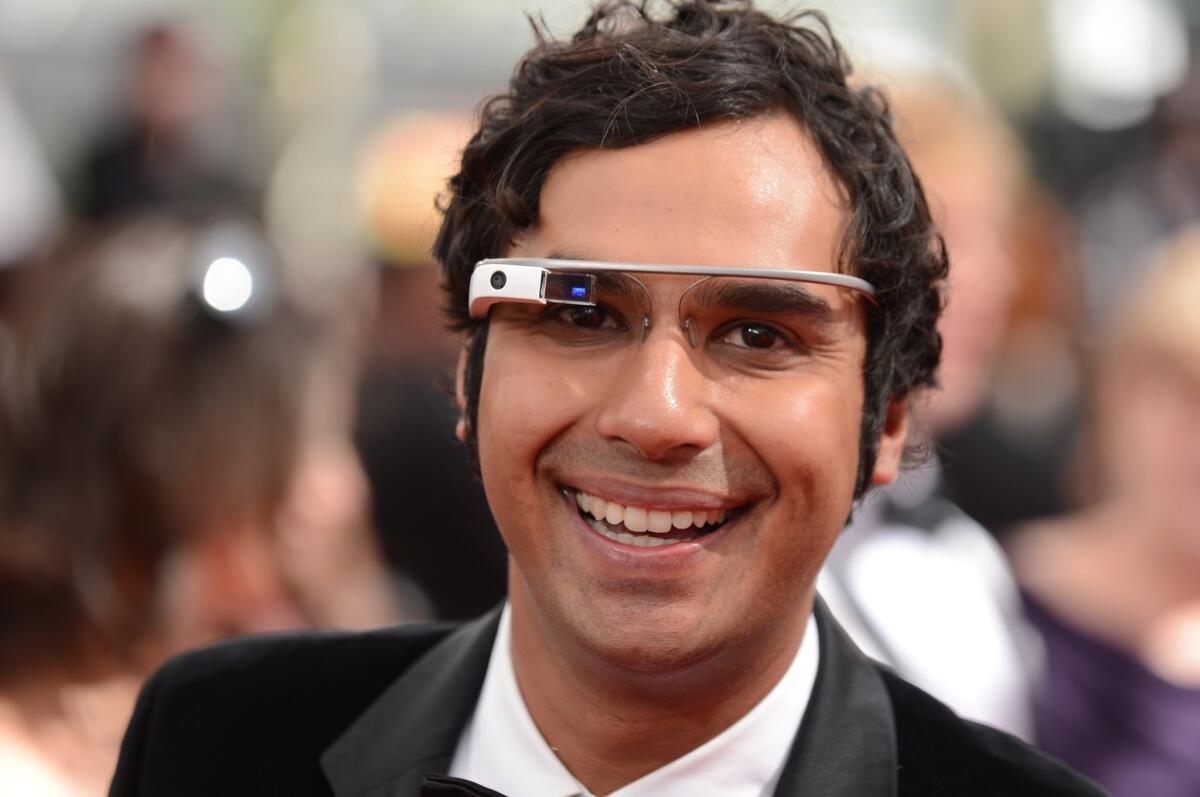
(891, 443)
(460, 395)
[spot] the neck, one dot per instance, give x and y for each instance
(610, 725)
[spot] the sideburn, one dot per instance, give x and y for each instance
(472, 384)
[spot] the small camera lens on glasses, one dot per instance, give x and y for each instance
(498, 279)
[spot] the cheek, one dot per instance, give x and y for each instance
(523, 403)
(819, 438)
(523, 406)
(807, 437)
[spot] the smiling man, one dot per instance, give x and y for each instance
(668, 494)
(698, 286)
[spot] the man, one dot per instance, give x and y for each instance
(721, 288)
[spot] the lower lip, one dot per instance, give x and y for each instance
(672, 555)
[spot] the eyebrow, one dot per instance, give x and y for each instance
(751, 296)
(765, 296)
(568, 254)
(620, 285)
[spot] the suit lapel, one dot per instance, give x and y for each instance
(413, 727)
(846, 746)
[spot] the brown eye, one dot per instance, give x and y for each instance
(587, 317)
(758, 336)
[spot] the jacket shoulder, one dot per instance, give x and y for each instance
(259, 710)
(316, 659)
(940, 753)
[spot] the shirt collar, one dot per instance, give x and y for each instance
(744, 760)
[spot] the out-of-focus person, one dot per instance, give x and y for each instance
(1010, 462)
(170, 474)
(430, 510)
(166, 152)
(1114, 588)
(918, 583)
(327, 542)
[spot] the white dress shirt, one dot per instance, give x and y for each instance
(502, 749)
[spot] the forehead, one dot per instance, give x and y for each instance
(751, 193)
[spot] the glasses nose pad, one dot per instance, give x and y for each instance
(688, 324)
(630, 296)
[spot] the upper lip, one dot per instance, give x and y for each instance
(664, 497)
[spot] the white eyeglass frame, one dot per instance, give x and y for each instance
(524, 279)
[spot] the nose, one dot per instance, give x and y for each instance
(659, 402)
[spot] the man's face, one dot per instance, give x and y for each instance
(656, 426)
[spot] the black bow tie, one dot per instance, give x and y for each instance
(446, 786)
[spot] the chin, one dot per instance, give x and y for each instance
(643, 634)
(647, 654)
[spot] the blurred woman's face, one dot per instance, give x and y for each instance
(1154, 421)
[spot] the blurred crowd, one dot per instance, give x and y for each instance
(225, 408)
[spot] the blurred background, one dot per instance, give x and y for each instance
(250, 187)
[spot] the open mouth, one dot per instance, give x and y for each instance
(647, 528)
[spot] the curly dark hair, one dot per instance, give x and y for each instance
(640, 70)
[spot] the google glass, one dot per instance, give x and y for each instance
(548, 281)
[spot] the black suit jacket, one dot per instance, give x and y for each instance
(370, 715)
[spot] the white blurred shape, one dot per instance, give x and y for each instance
(33, 26)
(228, 284)
(1113, 58)
(29, 199)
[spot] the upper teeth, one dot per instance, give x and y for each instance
(657, 521)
